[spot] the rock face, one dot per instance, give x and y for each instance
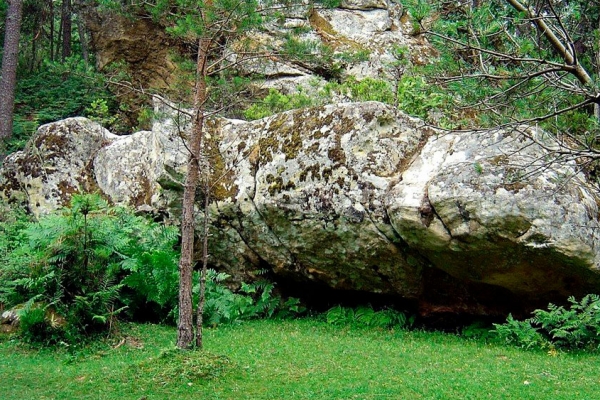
(141, 44)
(358, 197)
(372, 28)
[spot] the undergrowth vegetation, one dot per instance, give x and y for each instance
(575, 327)
(60, 90)
(72, 273)
(366, 316)
(410, 93)
(176, 366)
(78, 272)
(252, 300)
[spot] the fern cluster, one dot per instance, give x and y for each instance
(558, 327)
(87, 264)
(366, 316)
(253, 300)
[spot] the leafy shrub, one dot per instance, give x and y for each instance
(576, 327)
(99, 111)
(417, 97)
(478, 330)
(368, 317)
(12, 223)
(34, 327)
(368, 89)
(151, 269)
(520, 333)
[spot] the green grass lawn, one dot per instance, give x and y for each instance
(302, 359)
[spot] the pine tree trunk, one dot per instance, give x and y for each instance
(185, 327)
(81, 29)
(596, 105)
(66, 26)
(33, 57)
(10, 60)
(51, 7)
(83, 40)
(201, 295)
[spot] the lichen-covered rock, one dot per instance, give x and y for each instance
(309, 194)
(135, 181)
(489, 208)
(359, 196)
(9, 321)
(56, 163)
(363, 36)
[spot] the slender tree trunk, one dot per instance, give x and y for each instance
(51, 6)
(59, 36)
(596, 105)
(83, 39)
(10, 60)
(185, 328)
(201, 294)
(81, 29)
(34, 38)
(66, 22)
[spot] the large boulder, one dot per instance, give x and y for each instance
(57, 162)
(359, 196)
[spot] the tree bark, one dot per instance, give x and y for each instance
(37, 23)
(596, 105)
(66, 27)
(51, 7)
(185, 328)
(81, 29)
(85, 53)
(202, 292)
(10, 60)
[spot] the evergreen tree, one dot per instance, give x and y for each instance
(211, 25)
